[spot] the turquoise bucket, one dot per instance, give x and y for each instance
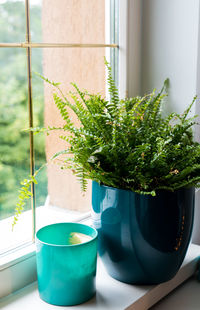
(66, 272)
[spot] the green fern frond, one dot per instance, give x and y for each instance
(123, 143)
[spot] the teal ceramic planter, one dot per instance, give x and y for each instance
(66, 273)
(142, 239)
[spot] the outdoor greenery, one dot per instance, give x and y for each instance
(14, 142)
(126, 143)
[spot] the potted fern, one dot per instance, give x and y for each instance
(144, 168)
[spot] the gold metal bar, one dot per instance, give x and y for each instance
(55, 45)
(11, 45)
(30, 108)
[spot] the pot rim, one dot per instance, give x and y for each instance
(66, 245)
(158, 190)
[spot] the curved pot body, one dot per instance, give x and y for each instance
(142, 239)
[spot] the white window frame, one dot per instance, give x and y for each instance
(18, 268)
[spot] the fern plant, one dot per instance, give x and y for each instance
(126, 143)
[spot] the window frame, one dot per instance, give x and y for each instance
(18, 266)
(29, 45)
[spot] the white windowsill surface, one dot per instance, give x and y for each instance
(22, 232)
(185, 297)
(111, 294)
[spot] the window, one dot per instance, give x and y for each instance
(65, 42)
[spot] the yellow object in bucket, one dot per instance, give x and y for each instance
(77, 238)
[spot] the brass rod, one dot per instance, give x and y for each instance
(11, 45)
(30, 108)
(56, 45)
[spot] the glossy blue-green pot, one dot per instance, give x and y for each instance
(66, 273)
(142, 239)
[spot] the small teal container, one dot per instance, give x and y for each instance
(66, 273)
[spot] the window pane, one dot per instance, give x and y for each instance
(114, 38)
(14, 142)
(86, 68)
(71, 21)
(36, 20)
(38, 120)
(12, 21)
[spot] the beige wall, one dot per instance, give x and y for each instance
(70, 21)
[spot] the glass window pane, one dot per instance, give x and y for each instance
(114, 38)
(86, 68)
(12, 21)
(14, 143)
(72, 21)
(36, 20)
(38, 120)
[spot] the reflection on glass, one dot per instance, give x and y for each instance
(12, 21)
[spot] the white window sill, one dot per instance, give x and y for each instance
(111, 294)
(185, 297)
(22, 233)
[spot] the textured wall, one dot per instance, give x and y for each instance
(71, 21)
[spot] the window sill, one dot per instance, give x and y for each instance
(111, 294)
(21, 236)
